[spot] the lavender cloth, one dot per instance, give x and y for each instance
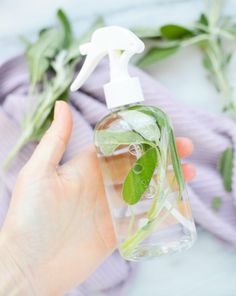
(211, 134)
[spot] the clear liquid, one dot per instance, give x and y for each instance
(172, 230)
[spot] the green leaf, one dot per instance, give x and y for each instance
(39, 53)
(203, 20)
(216, 203)
(67, 31)
(147, 32)
(163, 122)
(176, 162)
(43, 30)
(155, 54)
(47, 46)
(225, 167)
(139, 177)
(142, 123)
(73, 52)
(109, 140)
(160, 117)
(175, 32)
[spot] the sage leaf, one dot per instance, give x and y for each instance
(44, 50)
(216, 203)
(139, 177)
(39, 53)
(225, 167)
(155, 54)
(163, 122)
(203, 20)
(109, 140)
(175, 32)
(160, 117)
(142, 123)
(67, 31)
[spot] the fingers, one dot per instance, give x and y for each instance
(52, 146)
(189, 171)
(184, 147)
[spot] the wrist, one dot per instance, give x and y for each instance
(15, 277)
(19, 276)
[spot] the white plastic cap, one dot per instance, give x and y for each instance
(120, 45)
(123, 92)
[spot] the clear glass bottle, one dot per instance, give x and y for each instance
(136, 148)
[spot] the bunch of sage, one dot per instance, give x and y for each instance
(51, 62)
(209, 33)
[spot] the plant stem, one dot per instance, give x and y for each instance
(214, 54)
(195, 40)
(132, 220)
(130, 244)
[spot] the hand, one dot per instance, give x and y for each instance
(58, 228)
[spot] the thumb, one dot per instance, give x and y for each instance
(52, 146)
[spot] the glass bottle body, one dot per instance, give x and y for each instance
(143, 182)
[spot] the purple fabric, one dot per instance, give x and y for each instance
(211, 134)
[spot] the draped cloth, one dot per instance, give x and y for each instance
(211, 135)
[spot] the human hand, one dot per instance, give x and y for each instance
(58, 228)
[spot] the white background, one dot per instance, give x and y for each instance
(209, 268)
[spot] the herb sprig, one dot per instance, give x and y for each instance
(150, 128)
(51, 62)
(208, 33)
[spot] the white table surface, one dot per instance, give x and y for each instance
(209, 268)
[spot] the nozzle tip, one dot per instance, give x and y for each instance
(73, 87)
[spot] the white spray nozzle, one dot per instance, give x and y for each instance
(120, 45)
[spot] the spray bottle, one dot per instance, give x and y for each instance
(136, 149)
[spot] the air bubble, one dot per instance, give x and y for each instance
(135, 149)
(144, 183)
(138, 168)
(150, 192)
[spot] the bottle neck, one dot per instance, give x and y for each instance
(124, 107)
(122, 92)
